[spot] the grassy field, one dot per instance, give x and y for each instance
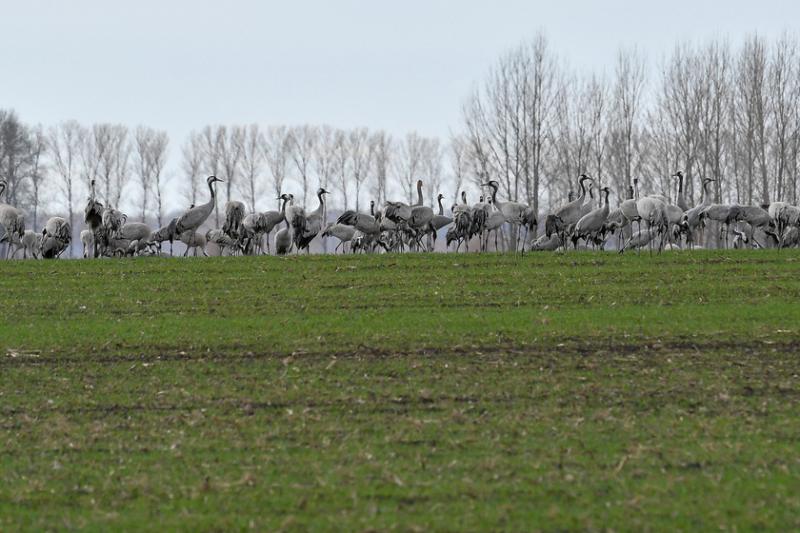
(444, 392)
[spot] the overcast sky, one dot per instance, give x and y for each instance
(400, 65)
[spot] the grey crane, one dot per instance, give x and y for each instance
(439, 221)
(12, 219)
(164, 233)
(517, 214)
(87, 240)
(253, 233)
(283, 237)
(756, 218)
(234, 215)
(194, 241)
(790, 238)
(680, 201)
(223, 241)
(592, 223)
(653, 211)
(464, 226)
(93, 217)
(56, 236)
(192, 219)
(31, 244)
(725, 215)
(479, 212)
(306, 226)
(640, 239)
(691, 218)
(399, 212)
(344, 233)
(567, 215)
(264, 224)
(137, 234)
(547, 244)
(366, 224)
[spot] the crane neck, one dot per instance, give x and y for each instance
(706, 193)
(583, 190)
(419, 193)
(494, 193)
(680, 183)
(321, 197)
(441, 208)
(606, 198)
(464, 197)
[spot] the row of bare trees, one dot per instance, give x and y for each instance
(257, 162)
(129, 167)
(711, 110)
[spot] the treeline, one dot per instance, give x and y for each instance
(709, 109)
(53, 167)
(533, 124)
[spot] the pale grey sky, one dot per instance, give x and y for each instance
(399, 65)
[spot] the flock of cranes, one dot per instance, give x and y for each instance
(649, 221)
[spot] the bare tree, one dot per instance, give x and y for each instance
(192, 165)
(782, 107)
(64, 143)
(37, 174)
(158, 160)
(303, 142)
(277, 148)
(230, 144)
(381, 146)
(361, 156)
(715, 116)
(212, 156)
(324, 156)
(597, 107)
(106, 153)
(341, 163)
(679, 108)
(625, 137)
(150, 158)
(432, 169)
(15, 152)
(459, 165)
(751, 116)
(408, 164)
(508, 120)
(252, 164)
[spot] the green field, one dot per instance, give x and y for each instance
(422, 392)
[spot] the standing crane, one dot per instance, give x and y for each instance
(592, 223)
(283, 237)
(12, 219)
(308, 226)
(192, 219)
(680, 201)
(517, 214)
